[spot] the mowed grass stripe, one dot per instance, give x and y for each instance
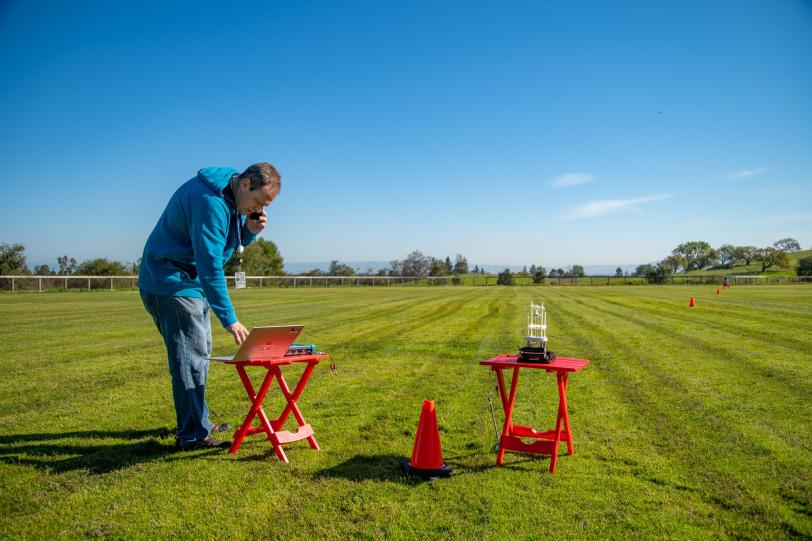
(757, 359)
(688, 424)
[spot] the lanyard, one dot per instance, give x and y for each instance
(239, 240)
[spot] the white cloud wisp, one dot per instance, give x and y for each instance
(600, 207)
(571, 179)
(742, 174)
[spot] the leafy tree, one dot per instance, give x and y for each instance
(395, 268)
(448, 268)
(575, 271)
(769, 257)
(415, 264)
(43, 270)
(339, 269)
(505, 278)
(461, 265)
(313, 272)
(437, 267)
(804, 267)
(260, 258)
(102, 267)
(66, 266)
(696, 254)
(658, 274)
(642, 270)
(481, 270)
(745, 253)
(618, 272)
(727, 255)
(538, 274)
(476, 269)
(672, 264)
(787, 245)
(12, 259)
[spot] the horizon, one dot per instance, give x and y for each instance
(547, 133)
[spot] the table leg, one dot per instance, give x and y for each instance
(256, 409)
(507, 428)
(561, 418)
(291, 398)
(562, 395)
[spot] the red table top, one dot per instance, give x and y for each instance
(559, 364)
(287, 359)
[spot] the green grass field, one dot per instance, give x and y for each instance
(689, 423)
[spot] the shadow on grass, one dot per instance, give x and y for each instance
(370, 468)
(389, 467)
(51, 452)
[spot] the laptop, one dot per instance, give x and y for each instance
(264, 343)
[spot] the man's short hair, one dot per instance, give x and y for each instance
(261, 175)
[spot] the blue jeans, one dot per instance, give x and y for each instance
(185, 327)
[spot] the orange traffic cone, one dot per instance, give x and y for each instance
(427, 455)
(717, 290)
(691, 303)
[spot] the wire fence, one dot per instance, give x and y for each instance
(89, 283)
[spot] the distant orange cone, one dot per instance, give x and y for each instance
(717, 290)
(691, 303)
(427, 454)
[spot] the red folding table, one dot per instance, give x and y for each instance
(272, 428)
(512, 435)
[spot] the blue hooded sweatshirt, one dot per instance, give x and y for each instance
(195, 236)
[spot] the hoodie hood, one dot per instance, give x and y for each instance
(216, 178)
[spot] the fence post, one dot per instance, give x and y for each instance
(88, 283)
(111, 283)
(12, 284)
(39, 284)
(66, 282)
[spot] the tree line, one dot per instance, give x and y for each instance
(260, 258)
(699, 255)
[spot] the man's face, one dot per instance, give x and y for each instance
(249, 200)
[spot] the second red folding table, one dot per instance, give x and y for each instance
(513, 435)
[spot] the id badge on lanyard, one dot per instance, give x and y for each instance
(239, 276)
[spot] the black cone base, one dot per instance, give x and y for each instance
(445, 471)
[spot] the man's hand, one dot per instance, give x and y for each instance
(255, 226)
(238, 331)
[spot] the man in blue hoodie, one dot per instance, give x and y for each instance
(181, 276)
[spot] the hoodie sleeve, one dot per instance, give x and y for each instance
(247, 236)
(209, 221)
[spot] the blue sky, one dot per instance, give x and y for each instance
(513, 133)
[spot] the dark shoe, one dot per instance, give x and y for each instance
(206, 443)
(221, 427)
(218, 427)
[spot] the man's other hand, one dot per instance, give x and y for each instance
(256, 226)
(238, 331)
